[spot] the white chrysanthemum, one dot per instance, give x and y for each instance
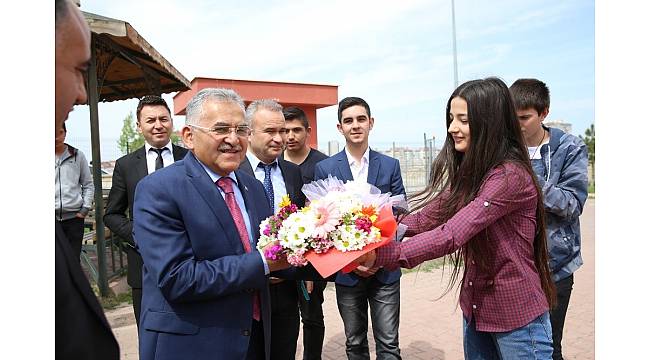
(264, 239)
(350, 238)
(296, 230)
(374, 236)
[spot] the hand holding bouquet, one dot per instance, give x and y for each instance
(341, 223)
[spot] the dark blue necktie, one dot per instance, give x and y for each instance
(268, 186)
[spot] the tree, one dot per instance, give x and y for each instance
(130, 139)
(175, 138)
(590, 141)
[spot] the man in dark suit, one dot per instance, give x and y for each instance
(196, 223)
(156, 125)
(81, 329)
(377, 287)
(279, 177)
(311, 306)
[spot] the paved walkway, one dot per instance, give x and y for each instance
(430, 328)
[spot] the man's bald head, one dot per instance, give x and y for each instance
(72, 54)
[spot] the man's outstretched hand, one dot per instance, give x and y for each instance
(367, 260)
(280, 263)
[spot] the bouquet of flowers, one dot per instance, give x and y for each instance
(342, 222)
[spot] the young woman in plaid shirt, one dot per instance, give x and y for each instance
(483, 207)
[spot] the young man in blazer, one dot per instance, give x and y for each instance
(279, 178)
(155, 123)
(377, 287)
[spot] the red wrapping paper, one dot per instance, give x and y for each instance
(334, 260)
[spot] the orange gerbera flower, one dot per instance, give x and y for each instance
(369, 211)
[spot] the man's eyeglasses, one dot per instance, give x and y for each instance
(240, 130)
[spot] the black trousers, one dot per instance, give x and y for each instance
(285, 320)
(74, 231)
(256, 343)
(558, 315)
(313, 324)
(136, 294)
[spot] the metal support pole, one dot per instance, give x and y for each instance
(93, 100)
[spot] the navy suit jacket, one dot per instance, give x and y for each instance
(384, 173)
(198, 282)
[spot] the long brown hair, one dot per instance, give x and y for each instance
(495, 139)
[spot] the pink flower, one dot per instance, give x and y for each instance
(321, 245)
(363, 223)
(267, 230)
(297, 259)
(273, 253)
(327, 217)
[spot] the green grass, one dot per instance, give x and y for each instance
(112, 301)
(592, 188)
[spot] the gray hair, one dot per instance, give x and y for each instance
(195, 106)
(268, 104)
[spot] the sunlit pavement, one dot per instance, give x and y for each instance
(430, 328)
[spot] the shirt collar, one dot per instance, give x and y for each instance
(254, 161)
(168, 146)
(214, 176)
(366, 156)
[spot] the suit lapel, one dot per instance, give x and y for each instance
(212, 197)
(246, 167)
(343, 166)
(141, 163)
(253, 217)
(178, 152)
(288, 180)
(373, 167)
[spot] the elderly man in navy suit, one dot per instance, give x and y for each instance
(377, 287)
(196, 224)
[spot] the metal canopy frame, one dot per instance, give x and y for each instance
(123, 65)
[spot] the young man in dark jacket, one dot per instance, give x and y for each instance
(560, 162)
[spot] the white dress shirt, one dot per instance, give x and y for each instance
(359, 169)
(279, 187)
(168, 156)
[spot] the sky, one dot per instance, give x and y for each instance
(399, 58)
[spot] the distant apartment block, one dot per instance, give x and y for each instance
(560, 124)
(415, 164)
(332, 147)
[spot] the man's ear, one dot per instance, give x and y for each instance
(188, 137)
(543, 115)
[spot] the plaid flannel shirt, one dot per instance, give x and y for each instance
(508, 293)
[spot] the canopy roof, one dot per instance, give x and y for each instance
(127, 65)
